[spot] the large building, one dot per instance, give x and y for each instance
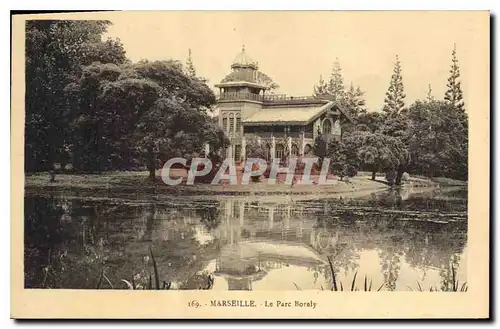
(286, 125)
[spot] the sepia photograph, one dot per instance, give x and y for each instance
(291, 155)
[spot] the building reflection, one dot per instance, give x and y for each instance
(251, 243)
(259, 237)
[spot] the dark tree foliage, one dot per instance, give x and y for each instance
(438, 140)
(138, 115)
(56, 51)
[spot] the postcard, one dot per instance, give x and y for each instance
(250, 164)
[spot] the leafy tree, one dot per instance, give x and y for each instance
(56, 51)
(370, 121)
(172, 128)
(337, 158)
(394, 97)
(178, 124)
(108, 102)
(343, 157)
(453, 94)
(438, 139)
(146, 111)
(395, 126)
(373, 151)
(190, 70)
(170, 76)
(399, 157)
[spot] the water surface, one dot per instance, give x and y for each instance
(405, 240)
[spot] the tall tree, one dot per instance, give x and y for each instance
(320, 89)
(335, 88)
(56, 51)
(354, 101)
(370, 121)
(172, 128)
(453, 94)
(108, 102)
(429, 98)
(438, 139)
(394, 97)
(178, 123)
(190, 70)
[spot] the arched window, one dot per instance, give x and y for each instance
(224, 122)
(327, 127)
(231, 122)
(280, 151)
(307, 149)
(295, 150)
(238, 123)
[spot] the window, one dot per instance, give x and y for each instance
(295, 150)
(280, 151)
(237, 152)
(231, 122)
(327, 127)
(224, 123)
(238, 123)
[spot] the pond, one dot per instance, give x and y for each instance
(395, 240)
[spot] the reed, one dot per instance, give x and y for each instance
(336, 283)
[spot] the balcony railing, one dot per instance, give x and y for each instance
(268, 135)
(272, 99)
(232, 96)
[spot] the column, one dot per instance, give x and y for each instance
(287, 217)
(271, 217)
(242, 213)
(258, 140)
(207, 149)
(273, 147)
(289, 145)
(243, 151)
(302, 143)
(230, 151)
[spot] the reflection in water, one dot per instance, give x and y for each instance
(399, 240)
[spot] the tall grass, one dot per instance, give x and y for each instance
(455, 284)
(153, 282)
(338, 286)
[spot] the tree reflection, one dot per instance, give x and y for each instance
(69, 243)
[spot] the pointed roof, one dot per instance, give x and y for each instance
(243, 60)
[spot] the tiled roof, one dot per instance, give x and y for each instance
(287, 114)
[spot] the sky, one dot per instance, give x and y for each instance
(294, 47)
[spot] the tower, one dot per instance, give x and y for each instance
(241, 95)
